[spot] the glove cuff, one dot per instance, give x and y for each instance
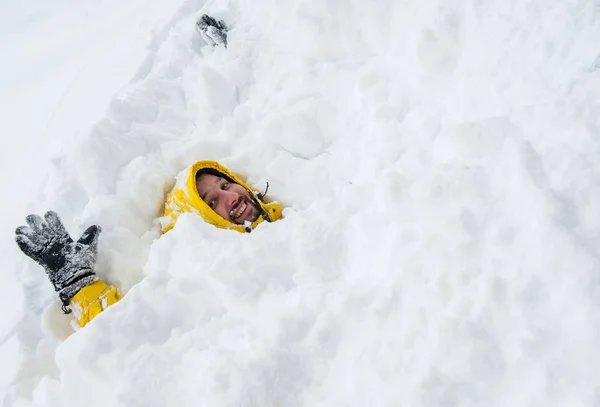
(73, 288)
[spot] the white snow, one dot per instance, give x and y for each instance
(438, 161)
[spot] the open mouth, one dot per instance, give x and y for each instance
(239, 209)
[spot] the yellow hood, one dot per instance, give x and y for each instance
(184, 198)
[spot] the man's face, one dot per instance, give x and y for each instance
(229, 200)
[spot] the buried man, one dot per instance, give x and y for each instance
(206, 188)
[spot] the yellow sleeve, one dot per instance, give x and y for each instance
(92, 300)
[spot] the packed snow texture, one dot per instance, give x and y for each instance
(438, 161)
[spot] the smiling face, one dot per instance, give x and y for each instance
(229, 200)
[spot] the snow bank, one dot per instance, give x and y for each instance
(440, 242)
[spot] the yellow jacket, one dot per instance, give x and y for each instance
(183, 198)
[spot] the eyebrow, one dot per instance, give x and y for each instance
(217, 181)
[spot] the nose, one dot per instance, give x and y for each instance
(228, 198)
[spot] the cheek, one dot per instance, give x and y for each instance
(220, 209)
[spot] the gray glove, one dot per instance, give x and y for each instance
(214, 32)
(68, 264)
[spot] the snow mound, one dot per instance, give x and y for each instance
(441, 238)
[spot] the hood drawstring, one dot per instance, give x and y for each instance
(262, 196)
(264, 214)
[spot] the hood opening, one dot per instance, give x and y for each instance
(255, 201)
(184, 198)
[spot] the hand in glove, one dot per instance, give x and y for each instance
(214, 32)
(68, 264)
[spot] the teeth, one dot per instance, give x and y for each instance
(234, 214)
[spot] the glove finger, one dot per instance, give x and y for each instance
(35, 223)
(28, 233)
(208, 20)
(90, 236)
(24, 230)
(55, 223)
(27, 246)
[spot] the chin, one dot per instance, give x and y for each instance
(253, 216)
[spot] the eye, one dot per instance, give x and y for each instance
(212, 204)
(225, 185)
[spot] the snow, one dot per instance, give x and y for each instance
(437, 160)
